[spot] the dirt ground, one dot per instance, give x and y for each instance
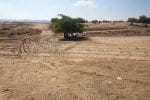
(101, 68)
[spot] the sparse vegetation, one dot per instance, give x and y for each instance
(15, 29)
(41, 63)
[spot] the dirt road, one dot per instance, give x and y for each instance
(101, 68)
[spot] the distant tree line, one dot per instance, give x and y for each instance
(142, 19)
(96, 21)
(104, 21)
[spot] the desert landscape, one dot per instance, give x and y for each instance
(112, 64)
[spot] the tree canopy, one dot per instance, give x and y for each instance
(132, 20)
(143, 19)
(80, 20)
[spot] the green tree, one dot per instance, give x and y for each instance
(68, 26)
(143, 19)
(99, 21)
(95, 21)
(53, 20)
(132, 20)
(106, 21)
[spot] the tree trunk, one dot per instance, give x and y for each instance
(66, 35)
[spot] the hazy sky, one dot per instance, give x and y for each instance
(88, 9)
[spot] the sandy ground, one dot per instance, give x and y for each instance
(101, 68)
